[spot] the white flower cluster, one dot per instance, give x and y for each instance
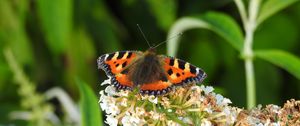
(189, 105)
(121, 111)
(219, 111)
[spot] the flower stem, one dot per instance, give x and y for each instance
(241, 7)
(248, 57)
(247, 53)
(250, 27)
(250, 83)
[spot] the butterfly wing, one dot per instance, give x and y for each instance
(178, 73)
(159, 87)
(181, 73)
(114, 63)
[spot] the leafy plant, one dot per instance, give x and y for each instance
(54, 41)
(40, 109)
(223, 25)
(33, 102)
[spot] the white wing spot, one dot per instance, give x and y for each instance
(197, 71)
(105, 57)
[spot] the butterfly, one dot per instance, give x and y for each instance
(152, 74)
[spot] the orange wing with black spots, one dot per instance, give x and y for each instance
(156, 88)
(114, 63)
(180, 72)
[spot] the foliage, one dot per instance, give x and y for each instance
(30, 99)
(227, 28)
(54, 41)
(283, 59)
(90, 113)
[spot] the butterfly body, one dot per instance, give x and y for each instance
(147, 69)
(153, 74)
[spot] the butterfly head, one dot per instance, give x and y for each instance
(151, 51)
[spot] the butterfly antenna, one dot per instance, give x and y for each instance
(179, 34)
(143, 35)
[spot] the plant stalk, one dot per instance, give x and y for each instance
(250, 77)
(249, 23)
(250, 27)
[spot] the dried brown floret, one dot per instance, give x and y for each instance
(290, 113)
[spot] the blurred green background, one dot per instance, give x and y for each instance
(57, 40)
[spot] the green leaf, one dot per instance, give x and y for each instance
(80, 53)
(205, 48)
(221, 24)
(270, 7)
(282, 59)
(89, 107)
(56, 21)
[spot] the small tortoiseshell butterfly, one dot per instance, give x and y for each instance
(152, 74)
